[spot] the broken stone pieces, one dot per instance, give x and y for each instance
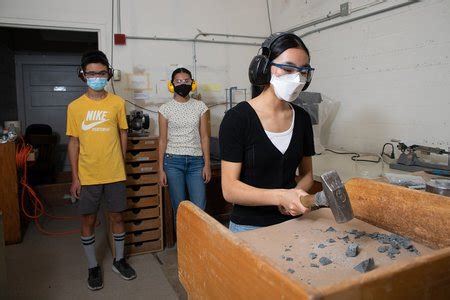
(325, 261)
(383, 249)
(392, 252)
(345, 238)
(312, 255)
(330, 229)
(357, 233)
(365, 266)
(352, 250)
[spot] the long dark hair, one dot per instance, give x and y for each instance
(180, 70)
(281, 44)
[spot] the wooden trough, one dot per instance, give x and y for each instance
(215, 263)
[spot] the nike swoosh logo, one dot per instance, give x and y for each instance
(86, 127)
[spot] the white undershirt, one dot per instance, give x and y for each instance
(281, 140)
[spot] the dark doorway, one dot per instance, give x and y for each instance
(38, 75)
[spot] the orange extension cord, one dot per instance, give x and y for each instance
(22, 152)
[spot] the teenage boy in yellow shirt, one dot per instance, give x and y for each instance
(97, 128)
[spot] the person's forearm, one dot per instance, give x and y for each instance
(237, 192)
(206, 151)
(305, 170)
(73, 152)
(123, 143)
(306, 182)
(162, 145)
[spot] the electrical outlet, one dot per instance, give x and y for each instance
(345, 9)
(116, 75)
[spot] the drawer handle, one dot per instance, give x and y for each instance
(134, 153)
(137, 233)
(135, 188)
(136, 210)
(135, 199)
(138, 222)
(136, 176)
(134, 164)
(135, 142)
(138, 244)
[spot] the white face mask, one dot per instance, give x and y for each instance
(287, 87)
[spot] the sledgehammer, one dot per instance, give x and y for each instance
(334, 196)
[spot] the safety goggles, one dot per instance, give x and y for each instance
(305, 72)
(182, 81)
(92, 74)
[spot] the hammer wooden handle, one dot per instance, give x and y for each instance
(309, 201)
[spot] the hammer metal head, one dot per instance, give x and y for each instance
(337, 197)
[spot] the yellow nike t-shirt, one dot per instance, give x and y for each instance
(96, 124)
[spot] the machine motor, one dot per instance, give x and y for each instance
(138, 123)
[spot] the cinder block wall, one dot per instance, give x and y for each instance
(390, 72)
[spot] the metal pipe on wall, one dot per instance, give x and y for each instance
(169, 39)
(196, 40)
(119, 25)
(360, 17)
(200, 33)
(315, 22)
(228, 35)
(331, 16)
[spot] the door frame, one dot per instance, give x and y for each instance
(102, 30)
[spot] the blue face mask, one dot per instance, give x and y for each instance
(97, 84)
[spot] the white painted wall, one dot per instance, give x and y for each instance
(390, 72)
(218, 66)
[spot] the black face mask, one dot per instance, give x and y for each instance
(183, 89)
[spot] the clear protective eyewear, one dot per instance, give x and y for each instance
(92, 74)
(182, 81)
(305, 72)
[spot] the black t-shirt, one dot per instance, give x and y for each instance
(243, 139)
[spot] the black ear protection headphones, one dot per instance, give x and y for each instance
(90, 57)
(259, 69)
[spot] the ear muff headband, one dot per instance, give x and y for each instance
(171, 88)
(259, 69)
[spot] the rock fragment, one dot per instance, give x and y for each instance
(325, 261)
(383, 249)
(352, 250)
(365, 265)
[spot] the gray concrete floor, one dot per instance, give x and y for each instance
(45, 267)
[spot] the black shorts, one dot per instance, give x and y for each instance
(113, 193)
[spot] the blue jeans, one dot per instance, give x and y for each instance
(239, 228)
(182, 170)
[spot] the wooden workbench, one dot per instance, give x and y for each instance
(9, 198)
(214, 263)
